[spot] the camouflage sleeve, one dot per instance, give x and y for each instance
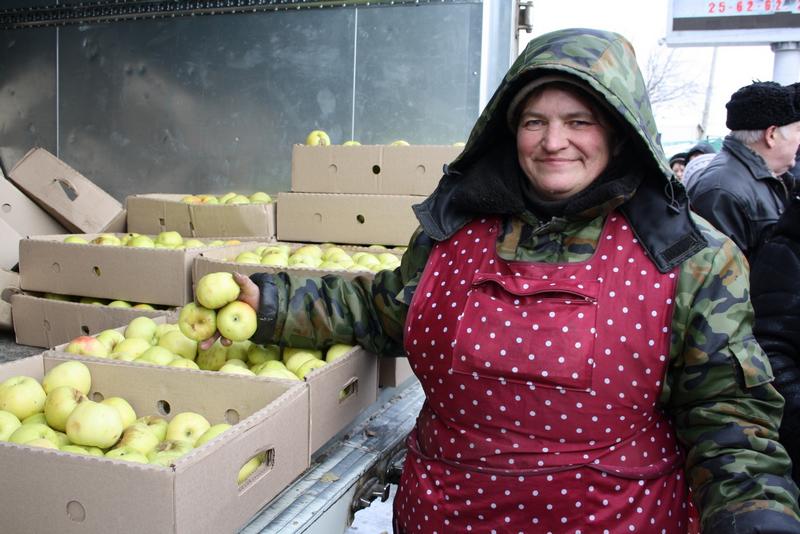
(725, 409)
(317, 312)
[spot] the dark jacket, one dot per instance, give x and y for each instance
(738, 194)
(775, 291)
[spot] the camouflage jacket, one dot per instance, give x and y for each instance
(718, 385)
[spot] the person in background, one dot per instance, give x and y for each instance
(584, 341)
(775, 291)
(700, 149)
(694, 169)
(677, 163)
(745, 188)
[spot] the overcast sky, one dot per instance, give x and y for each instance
(644, 23)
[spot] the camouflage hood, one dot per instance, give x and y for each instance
(603, 60)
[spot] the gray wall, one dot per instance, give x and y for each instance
(214, 103)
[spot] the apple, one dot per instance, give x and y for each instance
(129, 349)
(274, 369)
(56, 296)
(93, 301)
(22, 396)
(119, 304)
(197, 322)
(94, 424)
(399, 142)
(127, 454)
(367, 260)
(156, 424)
(168, 451)
(26, 433)
(318, 138)
(163, 328)
(72, 373)
(124, 408)
(248, 257)
(238, 199)
(80, 449)
(62, 439)
(155, 356)
(208, 199)
(275, 259)
(237, 321)
(212, 432)
(41, 442)
(107, 240)
(110, 338)
(141, 241)
(315, 251)
(249, 468)
(288, 352)
(238, 350)
(142, 328)
(138, 437)
(187, 426)
(215, 290)
(260, 197)
(261, 353)
(38, 417)
(193, 243)
(76, 239)
(143, 306)
(169, 238)
(232, 369)
(337, 351)
(8, 424)
(59, 405)
(212, 358)
(351, 143)
(190, 199)
(308, 366)
(179, 344)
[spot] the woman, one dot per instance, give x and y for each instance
(583, 341)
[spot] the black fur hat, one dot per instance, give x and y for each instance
(763, 104)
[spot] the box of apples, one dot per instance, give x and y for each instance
(204, 215)
(105, 446)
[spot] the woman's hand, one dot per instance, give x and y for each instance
(249, 294)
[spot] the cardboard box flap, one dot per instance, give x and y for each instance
(23, 214)
(75, 201)
(9, 286)
(9, 245)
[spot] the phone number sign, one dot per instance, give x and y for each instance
(732, 22)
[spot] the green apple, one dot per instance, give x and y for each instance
(8, 424)
(193, 243)
(107, 240)
(249, 468)
(62, 439)
(215, 290)
(260, 197)
(187, 426)
(156, 424)
(238, 199)
(163, 328)
(288, 352)
(143, 306)
(232, 369)
(238, 350)
(38, 417)
(212, 358)
(168, 451)
(94, 424)
(269, 364)
(399, 142)
(183, 363)
(276, 259)
(337, 351)
(75, 239)
(141, 241)
(304, 261)
(93, 301)
(212, 432)
(197, 322)
(169, 238)
(138, 437)
(72, 373)
(129, 349)
(155, 356)
(41, 442)
(351, 143)
(235, 362)
(315, 251)
(127, 454)
(261, 353)
(119, 304)
(56, 296)
(59, 404)
(80, 449)
(208, 199)
(248, 257)
(110, 338)
(22, 396)
(142, 328)
(26, 433)
(124, 408)
(318, 138)
(284, 374)
(179, 344)
(308, 366)
(226, 197)
(237, 321)
(367, 260)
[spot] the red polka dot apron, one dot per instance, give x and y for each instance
(541, 383)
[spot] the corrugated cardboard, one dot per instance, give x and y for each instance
(346, 218)
(56, 491)
(370, 169)
(42, 322)
(9, 285)
(393, 371)
(154, 213)
(152, 275)
(9, 245)
(74, 200)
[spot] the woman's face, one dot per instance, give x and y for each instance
(562, 143)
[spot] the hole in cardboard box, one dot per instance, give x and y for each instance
(162, 222)
(76, 511)
(163, 407)
(96, 270)
(231, 416)
(67, 187)
(350, 388)
(7, 292)
(6, 207)
(56, 267)
(332, 168)
(420, 169)
(376, 169)
(360, 219)
(97, 396)
(256, 468)
(85, 330)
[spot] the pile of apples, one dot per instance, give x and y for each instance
(169, 239)
(321, 138)
(102, 302)
(323, 257)
(57, 414)
(258, 197)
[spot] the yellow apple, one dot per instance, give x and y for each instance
(119, 304)
(141, 241)
(127, 454)
(59, 404)
(38, 417)
(249, 468)
(110, 338)
(187, 426)
(94, 424)
(142, 328)
(308, 366)
(93, 301)
(351, 143)
(399, 142)
(238, 199)
(169, 238)
(124, 408)
(155, 355)
(41, 442)
(260, 197)
(72, 373)
(168, 451)
(298, 358)
(197, 322)
(107, 240)
(226, 197)
(179, 344)
(230, 368)
(75, 239)
(139, 437)
(129, 349)
(212, 432)
(157, 425)
(8, 424)
(275, 259)
(215, 290)
(143, 306)
(318, 138)
(183, 363)
(193, 243)
(30, 431)
(80, 449)
(337, 351)
(22, 396)
(247, 257)
(237, 321)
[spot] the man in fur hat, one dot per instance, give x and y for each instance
(746, 187)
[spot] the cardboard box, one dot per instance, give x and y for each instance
(393, 371)
(347, 218)
(42, 322)
(198, 494)
(23, 217)
(74, 200)
(370, 169)
(151, 275)
(151, 214)
(9, 285)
